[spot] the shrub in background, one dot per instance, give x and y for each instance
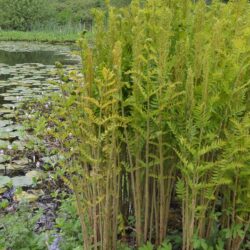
(23, 14)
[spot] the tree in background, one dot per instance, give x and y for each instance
(29, 14)
(76, 11)
(23, 14)
(79, 11)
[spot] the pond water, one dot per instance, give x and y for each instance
(26, 70)
(12, 53)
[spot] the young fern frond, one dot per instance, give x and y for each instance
(162, 110)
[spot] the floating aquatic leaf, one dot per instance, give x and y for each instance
(22, 181)
(12, 169)
(3, 144)
(36, 174)
(4, 123)
(23, 161)
(4, 180)
(25, 196)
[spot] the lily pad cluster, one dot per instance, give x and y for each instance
(19, 84)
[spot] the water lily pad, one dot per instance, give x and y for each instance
(4, 180)
(22, 181)
(13, 98)
(11, 106)
(4, 158)
(2, 169)
(23, 161)
(3, 190)
(8, 136)
(25, 196)
(16, 127)
(9, 116)
(7, 129)
(18, 145)
(16, 167)
(12, 169)
(3, 144)
(4, 123)
(36, 174)
(5, 111)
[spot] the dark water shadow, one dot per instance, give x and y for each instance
(5, 77)
(42, 57)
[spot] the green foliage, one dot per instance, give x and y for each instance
(165, 246)
(148, 246)
(74, 11)
(43, 15)
(160, 110)
(17, 230)
(22, 14)
(3, 204)
(52, 36)
(69, 225)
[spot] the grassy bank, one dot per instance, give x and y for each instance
(41, 36)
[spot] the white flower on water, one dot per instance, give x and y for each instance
(38, 164)
(1, 152)
(9, 147)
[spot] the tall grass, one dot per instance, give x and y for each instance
(40, 36)
(50, 32)
(161, 113)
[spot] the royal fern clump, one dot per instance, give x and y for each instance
(159, 118)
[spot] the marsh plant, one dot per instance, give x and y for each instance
(159, 118)
(17, 229)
